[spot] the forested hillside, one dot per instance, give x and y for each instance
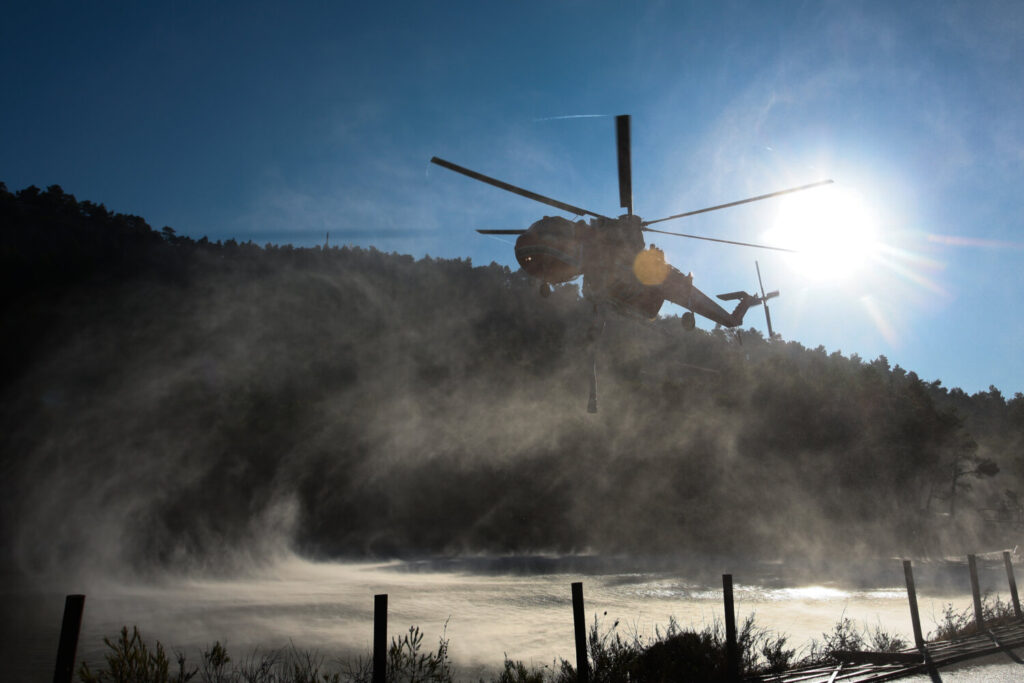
(176, 403)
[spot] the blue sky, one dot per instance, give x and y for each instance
(282, 122)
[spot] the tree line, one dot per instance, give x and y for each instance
(171, 402)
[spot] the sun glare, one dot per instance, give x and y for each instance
(832, 229)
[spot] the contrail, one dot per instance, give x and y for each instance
(501, 240)
(571, 116)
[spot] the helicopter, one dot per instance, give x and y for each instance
(619, 270)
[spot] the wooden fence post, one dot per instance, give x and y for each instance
(579, 620)
(380, 638)
(732, 659)
(979, 616)
(1013, 583)
(69, 629)
(915, 617)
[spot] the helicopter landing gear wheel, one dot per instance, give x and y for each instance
(545, 290)
(689, 322)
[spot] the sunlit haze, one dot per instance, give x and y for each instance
(217, 436)
(833, 230)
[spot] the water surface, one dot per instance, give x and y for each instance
(520, 607)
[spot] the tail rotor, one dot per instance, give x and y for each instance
(764, 301)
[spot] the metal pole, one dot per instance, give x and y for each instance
(979, 616)
(1013, 583)
(732, 663)
(70, 627)
(915, 617)
(380, 638)
(579, 620)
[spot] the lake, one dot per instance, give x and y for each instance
(487, 607)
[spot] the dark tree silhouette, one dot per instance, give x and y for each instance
(198, 403)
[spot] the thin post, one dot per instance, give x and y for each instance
(979, 616)
(592, 401)
(732, 663)
(380, 638)
(579, 620)
(69, 629)
(915, 617)
(1013, 583)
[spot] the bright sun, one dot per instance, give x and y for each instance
(832, 228)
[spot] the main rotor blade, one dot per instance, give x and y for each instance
(742, 201)
(714, 239)
(625, 168)
(515, 190)
(501, 232)
(759, 282)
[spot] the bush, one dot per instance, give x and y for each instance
(516, 672)
(962, 623)
(407, 663)
(845, 636)
(130, 661)
(675, 654)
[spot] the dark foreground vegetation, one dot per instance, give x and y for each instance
(173, 403)
(675, 654)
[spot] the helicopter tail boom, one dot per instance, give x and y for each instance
(746, 301)
(679, 289)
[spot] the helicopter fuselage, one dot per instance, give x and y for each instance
(616, 266)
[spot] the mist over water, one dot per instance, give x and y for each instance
(487, 608)
(234, 443)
